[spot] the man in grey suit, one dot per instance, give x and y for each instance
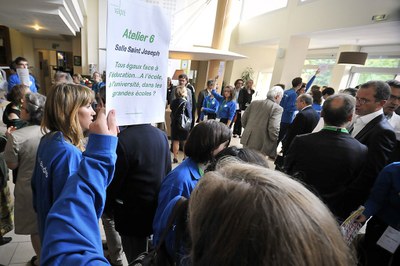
(261, 122)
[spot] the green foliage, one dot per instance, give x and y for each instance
(247, 74)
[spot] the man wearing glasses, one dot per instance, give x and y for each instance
(394, 119)
(20, 62)
(372, 129)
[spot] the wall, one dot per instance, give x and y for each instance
(259, 58)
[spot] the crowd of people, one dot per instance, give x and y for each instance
(74, 166)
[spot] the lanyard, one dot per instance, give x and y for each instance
(201, 171)
(221, 106)
(337, 129)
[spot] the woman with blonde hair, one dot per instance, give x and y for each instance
(67, 115)
(178, 106)
(262, 217)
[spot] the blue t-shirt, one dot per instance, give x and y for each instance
(56, 161)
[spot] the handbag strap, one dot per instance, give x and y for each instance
(184, 107)
(171, 220)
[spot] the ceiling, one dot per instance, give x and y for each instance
(55, 18)
(62, 18)
(383, 33)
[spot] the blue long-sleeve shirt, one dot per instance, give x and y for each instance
(227, 109)
(384, 199)
(72, 229)
(288, 103)
(210, 106)
(310, 82)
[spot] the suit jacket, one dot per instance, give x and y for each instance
(304, 122)
(143, 161)
(261, 123)
(378, 135)
(328, 161)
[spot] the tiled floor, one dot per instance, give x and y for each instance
(19, 251)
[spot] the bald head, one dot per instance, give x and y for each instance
(338, 110)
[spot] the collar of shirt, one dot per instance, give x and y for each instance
(306, 107)
(365, 119)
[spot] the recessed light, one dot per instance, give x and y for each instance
(379, 17)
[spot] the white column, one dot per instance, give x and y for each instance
(290, 58)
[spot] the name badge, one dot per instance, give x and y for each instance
(390, 239)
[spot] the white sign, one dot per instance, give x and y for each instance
(138, 36)
(23, 75)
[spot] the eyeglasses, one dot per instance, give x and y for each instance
(394, 98)
(362, 100)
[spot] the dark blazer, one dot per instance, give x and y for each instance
(304, 122)
(143, 161)
(327, 161)
(379, 136)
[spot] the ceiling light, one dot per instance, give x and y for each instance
(352, 58)
(37, 27)
(379, 17)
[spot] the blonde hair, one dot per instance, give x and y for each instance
(180, 91)
(61, 111)
(249, 215)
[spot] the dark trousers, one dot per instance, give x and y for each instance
(237, 127)
(282, 131)
(376, 255)
(133, 246)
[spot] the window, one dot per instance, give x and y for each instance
(376, 68)
(311, 66)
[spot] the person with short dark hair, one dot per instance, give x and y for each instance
(288, 104)
(317, 100)
(389, 109)
(202, 95)
(372, 129)
(328, 91)
(234, 154)
(350, 91)
(12, 112)
(205, 141)
(13, 79)
(305, 121)
(316, 166)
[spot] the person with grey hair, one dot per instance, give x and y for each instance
(304, 122)
(62, 77)
(20, 151)
(372, 129)
(315, 164)
(261, 123)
